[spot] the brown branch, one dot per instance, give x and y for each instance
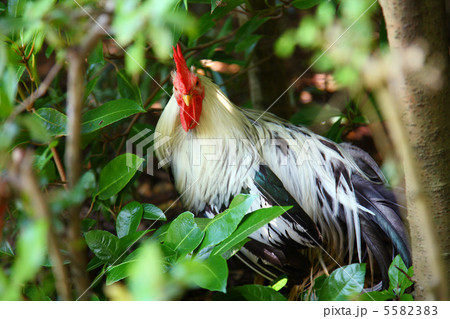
(75, 91)
(26, 181)
(59, 166)
(208, 44)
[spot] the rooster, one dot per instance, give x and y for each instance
(342, 212)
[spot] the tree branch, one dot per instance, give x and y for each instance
(28, 184)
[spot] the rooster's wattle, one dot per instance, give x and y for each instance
(341, 213)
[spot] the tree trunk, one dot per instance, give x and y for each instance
(426, 115)
(268, 80)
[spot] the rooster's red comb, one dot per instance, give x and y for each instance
(182, 69)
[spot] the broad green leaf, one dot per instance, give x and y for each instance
(318, 282)
(146, 279)
(128, 219)
(160, 233)
(233, 250)
(121, 271)
(87, 224)
(54, 121)
(153, 212)
(344, 283)
(210, 274)
(250, 223)
(306, 4)
(117, 173)
(30, 254)
(202, 222)
(259, 293)
(183, 234)
(397, 279)
(109, 113)
(406, 297)
(102, 243)
(376, 296)
(36, 128)
(223, 224)
(129, 240)
(117, 272)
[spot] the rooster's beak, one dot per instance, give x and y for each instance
(187, 99)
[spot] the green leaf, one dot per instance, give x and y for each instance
(120, 271)
(6, 249)
(117, 173)
(94, 263)
(102, 243)
(96, 55)
(406, 297)
(210, 274)
(109, 113)
(146, 279)
(36, 128)
(213, 5)
(344, 283)
(314, 113)
(31, 251)
(87, 223)
(250, 223)
(306, 4)
(130, 239)
(259, 293)
(233, 250)
(90, 86)
(128, 90)
(377, 296)
(223, 224)
(153, 212)
(397, 279)
(128, 219)
(285, 45)
(279, 283)
(202, 222)
(248, 43)
(52, 120)
(183, 234)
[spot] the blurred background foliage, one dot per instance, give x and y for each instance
(319, 48)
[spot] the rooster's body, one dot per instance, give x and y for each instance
(341, 212)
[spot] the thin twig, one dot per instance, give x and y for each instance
(208, 44)
(27, 104)
(59, 166)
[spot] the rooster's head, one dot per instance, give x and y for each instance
(188, 92)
